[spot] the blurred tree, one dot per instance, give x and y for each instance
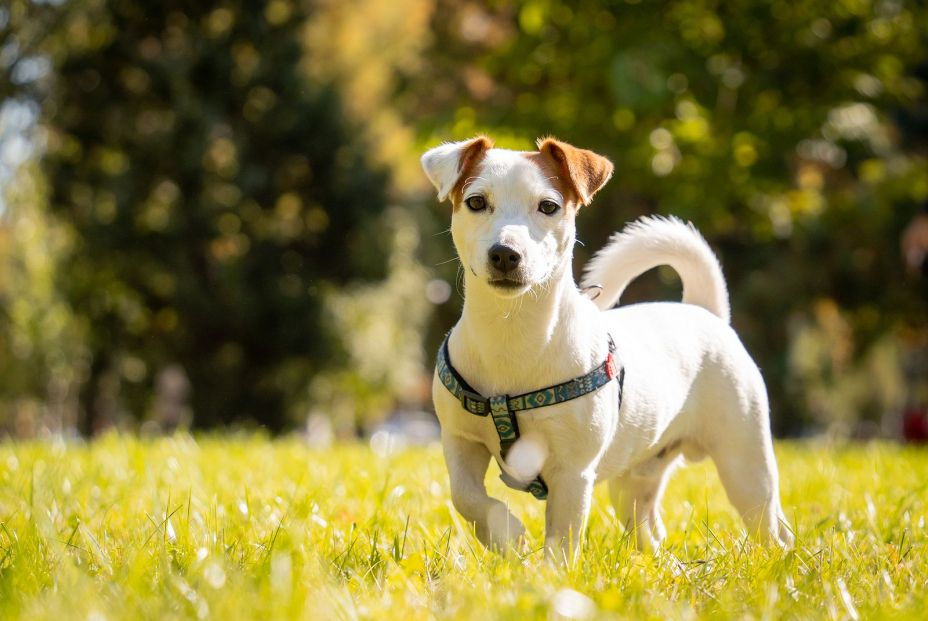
(364, 47)
(214, 195)
(766, 124)
(42, 344)
(215, 175)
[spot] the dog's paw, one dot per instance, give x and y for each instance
(787, 539)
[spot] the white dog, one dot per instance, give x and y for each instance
(650, 382)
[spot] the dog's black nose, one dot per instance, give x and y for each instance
(504, 258)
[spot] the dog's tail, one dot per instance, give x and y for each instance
(652, 241)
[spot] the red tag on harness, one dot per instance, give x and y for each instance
(611, 371)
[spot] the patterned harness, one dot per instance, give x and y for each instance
(503, 408)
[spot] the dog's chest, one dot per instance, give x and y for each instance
(457, 421)
(578, 427)
(511, 371)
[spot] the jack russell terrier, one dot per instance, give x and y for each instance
(565, 391)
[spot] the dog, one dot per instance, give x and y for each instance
(566, 391)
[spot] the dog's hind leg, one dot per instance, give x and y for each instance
(748, 470)
(636, 497)
(467, 465)
(741, 445)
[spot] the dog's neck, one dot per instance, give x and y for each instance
(527, 321)
(514, 344)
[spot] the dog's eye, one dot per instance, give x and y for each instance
(476, 203)
(548, 207)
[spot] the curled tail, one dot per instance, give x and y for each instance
(652, 241)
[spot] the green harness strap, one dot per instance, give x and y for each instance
(502, 408)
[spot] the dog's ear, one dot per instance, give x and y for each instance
(445, 164)
(587, 171)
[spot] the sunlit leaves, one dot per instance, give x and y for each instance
(764, 123)
(212, 186)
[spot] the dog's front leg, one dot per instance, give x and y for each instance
(569, 495)
(467, 463)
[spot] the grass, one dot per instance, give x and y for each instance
(244, 528)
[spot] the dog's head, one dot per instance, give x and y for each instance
(513, 211)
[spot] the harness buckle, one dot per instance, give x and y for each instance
(611, 370)
(474, 403)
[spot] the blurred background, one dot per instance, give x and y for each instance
(212, 213)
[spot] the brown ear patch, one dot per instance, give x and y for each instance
(587, 171)
(471, 155)
(556, 175)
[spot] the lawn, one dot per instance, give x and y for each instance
(246, 527)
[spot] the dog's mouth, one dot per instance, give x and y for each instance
(508, 284)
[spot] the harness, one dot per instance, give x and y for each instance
(502, 408)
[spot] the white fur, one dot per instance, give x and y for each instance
(441, 167)
(655, 241)
(690, 387)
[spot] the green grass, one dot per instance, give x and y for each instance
(230, 528)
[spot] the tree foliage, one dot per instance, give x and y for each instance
(769, 125)
(214, 193)
(211, 178)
